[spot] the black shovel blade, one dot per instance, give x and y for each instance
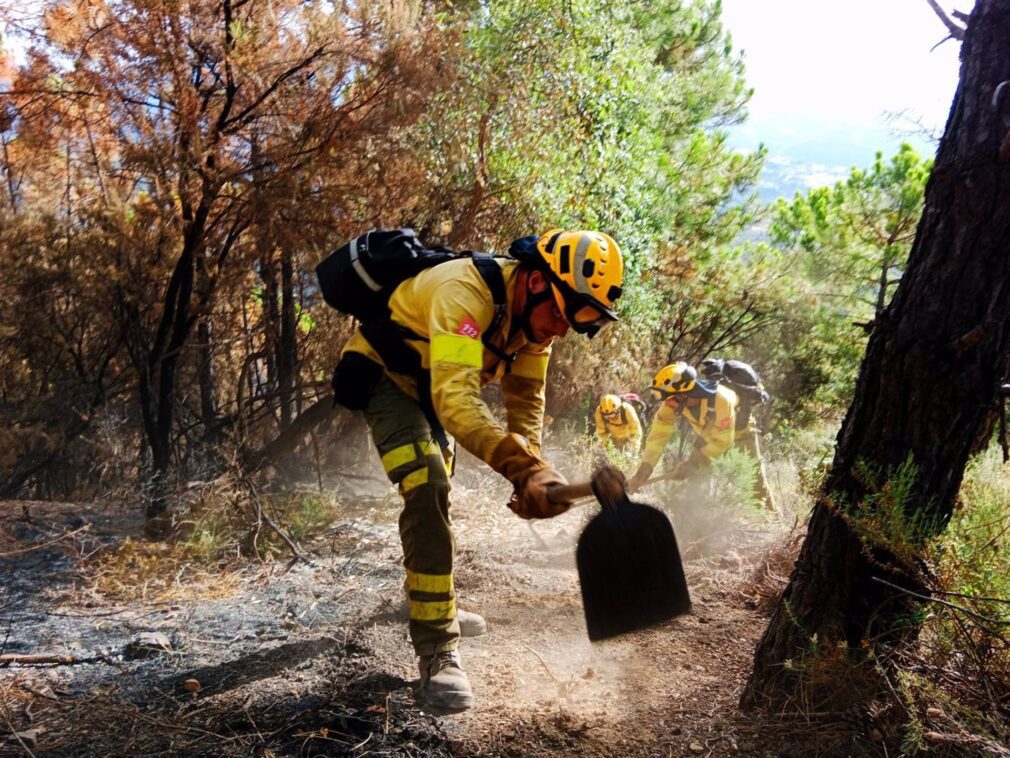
(630, 570)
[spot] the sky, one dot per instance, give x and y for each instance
(826, 72)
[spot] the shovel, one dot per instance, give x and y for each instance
(629, 565)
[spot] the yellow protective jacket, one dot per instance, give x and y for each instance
(714, 421)
(450, 307)
(627, 427)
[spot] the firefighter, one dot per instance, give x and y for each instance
(710, 410)
(618, 424)
(556, 282)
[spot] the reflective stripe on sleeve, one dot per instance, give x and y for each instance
(430, 447)
(457, 348)
(431, 583)
(432, 610)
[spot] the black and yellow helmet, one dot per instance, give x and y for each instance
(675, 379)
(586, 270)
(610, 404)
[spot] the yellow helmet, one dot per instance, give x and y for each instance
(586, 270)
(674, 379)
(610, 404)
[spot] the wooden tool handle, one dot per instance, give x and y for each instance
(568, 493)
(565, 493)
(609, 483)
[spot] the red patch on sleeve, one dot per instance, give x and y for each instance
(468, 328)
(723, 423)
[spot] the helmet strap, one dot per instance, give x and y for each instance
(533, 299)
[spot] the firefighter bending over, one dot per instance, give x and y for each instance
(446, 317)
(710, 409)
(617, 424)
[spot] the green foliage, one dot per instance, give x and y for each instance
(962, 661)
(808, 356)
(212, 534)
(853, 239)
(842, 252)
(307, 512)
(885, 517)
(734, 476)
(973, 556)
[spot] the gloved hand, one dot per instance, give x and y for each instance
(514, 460)
(640, 478)
(532, 500)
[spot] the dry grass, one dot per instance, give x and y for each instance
(348, 718)
(159, 572)
(771, 573)
(222, 522)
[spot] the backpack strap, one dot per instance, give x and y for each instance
(389, 340)
(491, 273)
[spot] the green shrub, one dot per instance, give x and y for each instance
(307, 512)
(734, 476)
(972, 557)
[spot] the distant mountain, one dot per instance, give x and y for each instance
(802, 156)
(784, 176)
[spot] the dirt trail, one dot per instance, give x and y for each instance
(314, 660)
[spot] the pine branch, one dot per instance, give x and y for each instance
(957, 32)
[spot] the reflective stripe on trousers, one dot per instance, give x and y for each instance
(413, 461)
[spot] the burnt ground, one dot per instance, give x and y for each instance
(312, 659)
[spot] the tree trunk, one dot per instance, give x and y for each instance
(158, 381)
(931, 373)
(208, 384)
(287, 345)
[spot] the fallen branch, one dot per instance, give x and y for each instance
(262, 517)
(41, 545)
(39, 659)
(967, 611)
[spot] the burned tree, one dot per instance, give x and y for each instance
(930, 375)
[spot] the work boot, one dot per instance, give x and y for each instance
(471, 624)
(444, 685)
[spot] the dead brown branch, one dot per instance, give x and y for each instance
(43, 659)
(46, 544)
(957, 32)
(969, 340)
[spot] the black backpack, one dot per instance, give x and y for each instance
(358, 278)
(742, 379)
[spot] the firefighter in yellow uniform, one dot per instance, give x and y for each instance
(558, 281)
(617, 424)
(710, 411)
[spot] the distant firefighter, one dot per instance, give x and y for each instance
(617, 423)
(710, 409)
